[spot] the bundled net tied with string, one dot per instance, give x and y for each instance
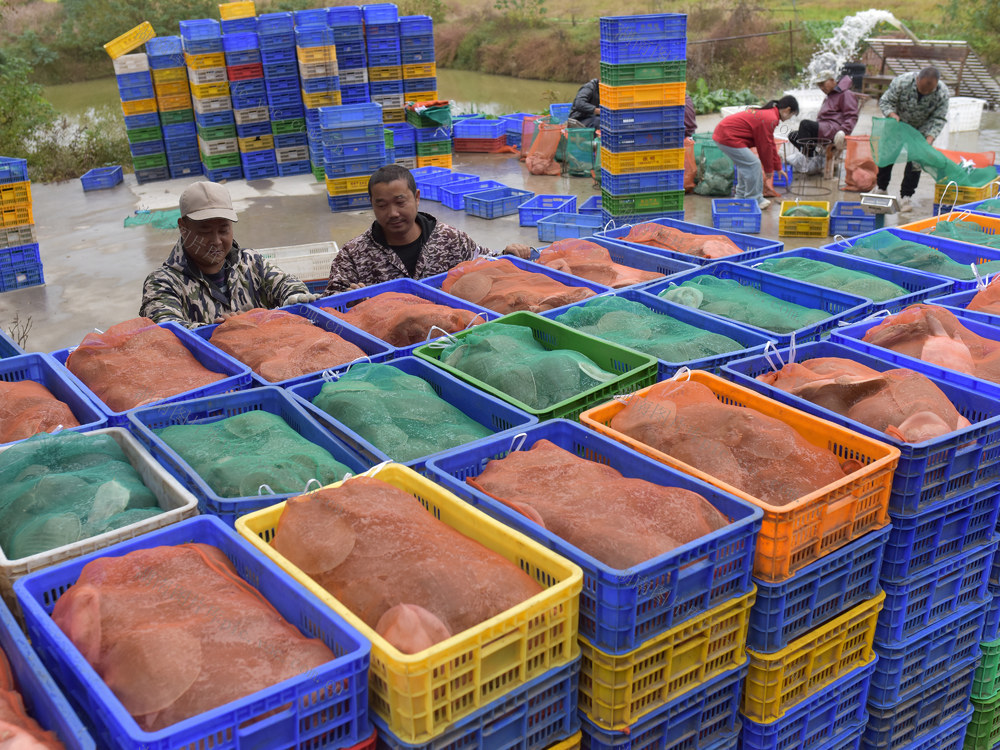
(987, 297)
(888, 248)
(634, 325)
(400, 414)
(965, 231)
(715, 172)
(406, 319)
(501, 286)
(27, 408)
(63, 488)
(590, 261)
(828, 275)
(674, 239)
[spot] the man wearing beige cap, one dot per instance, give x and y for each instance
(208, 276)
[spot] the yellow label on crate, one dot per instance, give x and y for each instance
(130, 40)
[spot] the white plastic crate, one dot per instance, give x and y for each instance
(410, 162)
(221, 146)
(353, 76)
(291, 153)
(207, 75)
(216, 104)
(965, 113)
(318, 69)
(131, 63)
(390, 101)
(297, 251)
(310, 262)
(251, 115)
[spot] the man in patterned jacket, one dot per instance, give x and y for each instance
(208, 276)
(402, 242)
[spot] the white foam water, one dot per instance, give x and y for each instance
(843, 45)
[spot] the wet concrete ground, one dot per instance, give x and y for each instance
(94, 267)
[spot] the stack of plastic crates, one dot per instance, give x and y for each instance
(643, 69)
(349, 37)
(20, 263)
(433, 137)
(213, 108)
(479, 135)
(419, 78)
(354, 147)
(513, 130)
(283, 99)
(404, 144)
(385, 71)
(142, 122)
(173, 99)
(249, 94)
(314, 45)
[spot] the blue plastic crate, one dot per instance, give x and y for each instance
(430, 184)
(163, 45)
(314, 36)
(101, 178)
(620, 141)
(214, 119)
(276, 54)
(320, 85)
(146, 148)
(354, 94)
(330, 701)
(382, 31)
(260, 171)
(8, 347)
(254, 87)
(541, 206)
(282, 85)
(417, 43)
(224, 173)
(238, 25)
(839, 306)
(202, 46)
(905, 669)
(644, 118)
(959, 301)
(241, 42)
(243, 57)
(419, 85)
(819, 592)
(294, 167)
(655, 26)
(350, 116)
(643, 182)
(383, 59)
(494, 414)
(149, 120)
(269, 399)
(422, 54)
(628, 220)
(276, 42)
(494, 203)
(284, 103)
(162, 62)
(18, 255)
(254, 129)
(280, 70)
(591, 206)
(621, 609)
(431, 135)
(918, 285)
(559, 111)
(642, 50)
(377, 13)
(782, 177)
(352, 166)
(478, 127)
(961, 252)
(270, 23)
(43, 698)
(831, 713)
(352, 61)
(186, 169)
(403, 133)
(289, 140)
(949, 737)
(182, 150)
(736, 215)
(42, 368)
(249, 101)
(310, 17)
(848, 219)
(453, 196)
(350, 42)
(752, 247)
(385, 88)
(921, 716)
(382, 46)
(180, 130)
(416, 25)
(976, 208)
(135, 93)
(237, 374)
(352, 202)
(201, 28)
(349, 15)
(143, 176)
(128, 80)
(20, 276)
(927, 472)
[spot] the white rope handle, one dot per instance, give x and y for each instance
(260, 490)
(443, 341)
(517, 442)
(683, 372)
(791, 349)
(318, 484)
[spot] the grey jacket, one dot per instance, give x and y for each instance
(928, 114)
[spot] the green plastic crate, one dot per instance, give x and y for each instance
(390, 138)
(645, 72)
(218, 161)
(281, 127)
(319, 172)
(138, 135)
(642, 203)
(636, 370)
(442, 119)
(986, 683)
(176, 116)
(151, 161)
(434, 148)
(217, 132)
(984, 729)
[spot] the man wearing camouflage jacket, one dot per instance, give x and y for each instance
(207, 277)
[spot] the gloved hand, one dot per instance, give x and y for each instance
(301, 299)
(516, 248)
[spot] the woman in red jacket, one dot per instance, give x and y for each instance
(738, 133)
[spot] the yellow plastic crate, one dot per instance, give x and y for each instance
(347, 185)
(321, 99)
(15, 193)
(645, 95)
(316, 54)
(210, 60)
(244, 9)
(947, 192)
(642, 161)
(169, 75)
(15, 216)
(800, 532)
(210, 90)
(417, 96)
(570, 743)
(617, 691)
(778, 682)
(256, 143)
(420, 70)
(395, 114)
(385, 73)
(171, 88)
(419, 695)
(130, 40)
(174, 102)
(441, 160)
(989, 224)
(139, 107)
(804, 226)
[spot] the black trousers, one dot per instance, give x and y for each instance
(911, 176)
(808, 131)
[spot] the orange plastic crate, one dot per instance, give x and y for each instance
(646, 95)
(174, 102)
(990, 224)
(139, 107)
(442, 160)
(796, 534)
(14, 194)
(15, 216)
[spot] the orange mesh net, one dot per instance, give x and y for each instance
(183, 614)
(751, 451)
(590, 261)
(671, 238)
(935, 335)
(987, 300)
(501, 286)
(27, 408)
(278, 345)
(135, 363)
(618, 520)
(412, 578)
(540, 157)
(18, 731)
(859, 166)
(902, 403)
(405, 319)
(690, 165)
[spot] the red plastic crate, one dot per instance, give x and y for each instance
(480, 145)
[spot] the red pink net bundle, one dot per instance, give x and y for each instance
(501, 286)
(27, 408)
(590, 261)
(405, 319)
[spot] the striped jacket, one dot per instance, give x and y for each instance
(928, 114)
(178, 290)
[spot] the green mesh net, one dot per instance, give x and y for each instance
(887, 248)
(991, 206)
(715, 171)
(891, 139)
(730, 299)
(400, 414)
(509, 359)
(834, 277)
(965, 231)
(166, 219)
(810, 211)
(238, 455)
(634, 325)
(59, 489)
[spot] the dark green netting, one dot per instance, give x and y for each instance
(834, 277)
(166, 219)
(888, 248)
(236, 456)
(801, 210)
(965, 231)
(990, 206)
(636, 326)
(715, 172)
(894, 141)
(400, 414)
(730, 299)
(62, 488)
(509, 359)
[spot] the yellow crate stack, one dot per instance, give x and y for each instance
(20, 262)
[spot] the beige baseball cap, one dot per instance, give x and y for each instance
(207, 200)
